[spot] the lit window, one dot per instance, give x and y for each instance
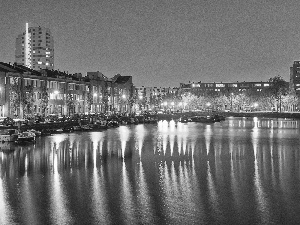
(47, 64)
(39, 62)
(266, 85)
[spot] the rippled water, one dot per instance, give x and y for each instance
(240, 171)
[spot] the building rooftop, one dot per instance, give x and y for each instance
(122, 79)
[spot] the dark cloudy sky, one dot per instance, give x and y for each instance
(163, 42)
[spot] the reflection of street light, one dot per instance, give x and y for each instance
(208, 104)
(95, 94)
(140, 97)
(165, 103)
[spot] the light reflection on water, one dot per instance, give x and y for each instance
(240, 171)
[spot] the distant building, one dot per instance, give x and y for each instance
(35, 48)
(295, 77)
(201, 88)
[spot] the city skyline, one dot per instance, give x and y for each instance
(164, 43)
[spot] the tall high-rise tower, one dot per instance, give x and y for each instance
(35, 48)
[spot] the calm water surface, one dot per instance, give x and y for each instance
(240, 171)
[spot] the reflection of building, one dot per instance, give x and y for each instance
(25, 91)
(35, 48)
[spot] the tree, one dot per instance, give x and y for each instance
(105, 98)
(70, 103)
(89, 100)
(28, 101)
(15, 95)
(221, 101)
(289, 102)
(44, 100)
(191, 101)
(277, 89)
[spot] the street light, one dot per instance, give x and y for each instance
(124, 96)
(255, 105)
(184, 105)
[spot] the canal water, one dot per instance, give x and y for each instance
(239, 171)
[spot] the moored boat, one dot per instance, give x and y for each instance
(184, 119)
(85, 128)
(203, 119)
(9, 135)
(26, 137)
(113, 123)
(36, 132)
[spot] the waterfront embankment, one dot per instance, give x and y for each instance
(291, 115)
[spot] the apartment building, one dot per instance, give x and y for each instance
(201, 88)
(295, 77)
(35, 48)
(25, 91)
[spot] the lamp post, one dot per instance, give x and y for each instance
(95, 97)
(56, 92)
(124, 99)
(165, 105)
(184, 105)
(141, 102)
(208, 105)
(180, 106)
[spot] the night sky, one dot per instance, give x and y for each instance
(163, 42)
